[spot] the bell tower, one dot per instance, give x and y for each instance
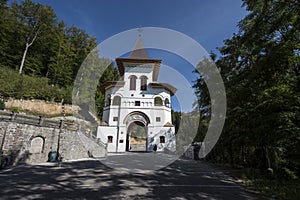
(137, 113)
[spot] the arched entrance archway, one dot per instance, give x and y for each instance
(136, 137)
(137, 131)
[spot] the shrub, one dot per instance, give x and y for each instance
(15, 109)
(23, 86)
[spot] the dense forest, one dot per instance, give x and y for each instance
(260, 66)
(40, 55)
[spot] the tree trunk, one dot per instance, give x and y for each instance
(267, 157)
(26, 49)
(23, 58)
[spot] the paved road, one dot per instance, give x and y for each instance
(90, 179)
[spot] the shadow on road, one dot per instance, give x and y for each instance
(90, 179)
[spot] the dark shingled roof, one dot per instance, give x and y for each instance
(168, 124)
(104, 124)
(139, 51)
(139, 55)
(120, 63)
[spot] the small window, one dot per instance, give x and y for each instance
(132, 82)
(137, 103)
(109, 139)
(167, 102)
(115, 119)
(157, 101)
(162, 139)
(117, 101)
(121, 141)
(143, 83)
(157, 119)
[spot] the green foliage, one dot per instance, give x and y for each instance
(93, 72)
(54, 55)
(176, 116)
(26, 87)
(186, 130)
(260, 69)
(14, 109)
(57, 51)
(275, 189)
(109, 74)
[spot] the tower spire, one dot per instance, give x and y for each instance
(139, 50)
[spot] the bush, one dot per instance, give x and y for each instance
(23, 86)
(15, 109)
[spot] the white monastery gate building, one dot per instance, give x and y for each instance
(137, 111)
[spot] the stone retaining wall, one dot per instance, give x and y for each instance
(23, 143)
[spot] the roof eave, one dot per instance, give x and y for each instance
(167, 86)
(120, 63)
(109, 84)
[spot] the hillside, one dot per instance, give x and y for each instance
(40, 55)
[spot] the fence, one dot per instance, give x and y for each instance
(37, 120)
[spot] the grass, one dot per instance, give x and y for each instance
(269, 186)
(29, 112)
(274, 188)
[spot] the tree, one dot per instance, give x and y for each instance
(33, 19)
(60, 69)
(52, 56)
(260, 69)
(7, 24)
(110, 74)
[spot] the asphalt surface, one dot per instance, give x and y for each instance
(91, 179)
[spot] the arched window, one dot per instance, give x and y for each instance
(132, 82)
(162, 139)
(143, 82)
(167, 102)
(158, 101)
(117, 101)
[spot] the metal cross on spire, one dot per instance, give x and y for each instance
(140, 30)
(139, 50)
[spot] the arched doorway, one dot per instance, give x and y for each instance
(137, 131)
(136, 137)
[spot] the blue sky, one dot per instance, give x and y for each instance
(209, 22)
